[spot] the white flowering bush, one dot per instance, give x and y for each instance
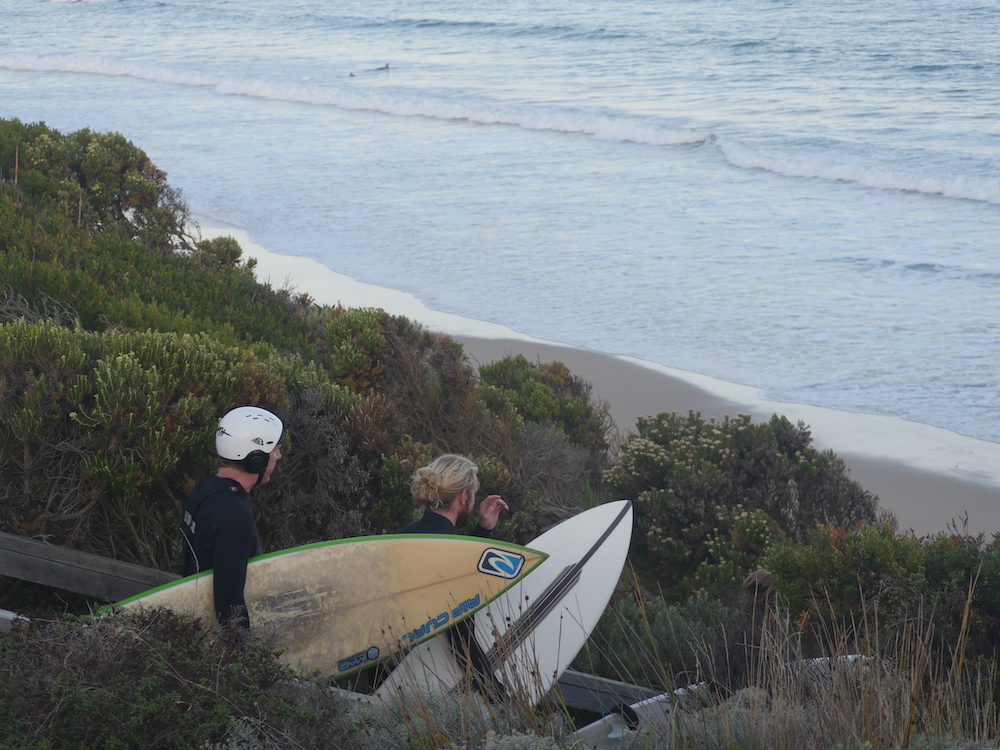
(739, 539)
(679, 470)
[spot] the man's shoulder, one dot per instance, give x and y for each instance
(431, 523)
(207, 489)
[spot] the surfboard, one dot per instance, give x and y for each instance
(340, 606)
(608, 732)
(656, 714)
(526, 638)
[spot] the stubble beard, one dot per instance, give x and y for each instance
(465, 516)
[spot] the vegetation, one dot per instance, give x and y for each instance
(945, 585)
(875, 686)
(124, 336)
(680, 471)
(150, 680)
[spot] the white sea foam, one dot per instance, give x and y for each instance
(790, 164)
(786, 162)
(369, 100)
(102, 66)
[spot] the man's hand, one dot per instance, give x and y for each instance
(489, 511)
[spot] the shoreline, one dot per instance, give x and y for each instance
(927, 476)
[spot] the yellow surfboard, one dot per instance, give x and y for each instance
(344, 605)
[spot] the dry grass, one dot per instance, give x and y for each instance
(872, 687)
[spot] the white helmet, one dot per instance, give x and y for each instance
(248, 435)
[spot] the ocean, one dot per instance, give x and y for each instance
(799, 197)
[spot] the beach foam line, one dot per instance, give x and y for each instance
(644, 131)
(875, 437)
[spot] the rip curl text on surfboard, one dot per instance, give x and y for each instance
(442, 619)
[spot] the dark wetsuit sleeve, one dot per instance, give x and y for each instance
(481, 532)
(233, 547)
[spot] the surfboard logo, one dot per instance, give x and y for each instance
(502, 563)
(370, 654)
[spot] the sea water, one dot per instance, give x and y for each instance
(800, 197)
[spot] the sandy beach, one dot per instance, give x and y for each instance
(925, 501)
(926, 476)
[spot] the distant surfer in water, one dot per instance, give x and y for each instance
(447, 489)
(218, 529)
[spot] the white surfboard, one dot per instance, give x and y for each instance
(344, 605)
(608, 732)
(656, 714)
(527, 637)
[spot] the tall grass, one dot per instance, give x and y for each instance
(867, 684)
(874, 684)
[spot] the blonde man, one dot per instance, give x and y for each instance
(447, 489)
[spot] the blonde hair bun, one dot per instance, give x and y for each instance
(439, 483)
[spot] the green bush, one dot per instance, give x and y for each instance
(842, 580)
(111, 282)
(550, 394)
(563, 433)
(146, 679)
(355, 346)
(100, 181)
(678, 470)
(737, 544)
(103, 433)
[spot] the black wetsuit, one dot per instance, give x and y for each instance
(219, 533)
(435, 523)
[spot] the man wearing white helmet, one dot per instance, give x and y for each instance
(218, 529)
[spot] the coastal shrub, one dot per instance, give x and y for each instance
(103, 434)
(550, 394)
(735, 547)
(949, 582)
(412, 721)
(431, 719)
(552, 467)
(108, 281)
(434, 393)
(14, 306)
(321, 490)
(148, 679)
(678, 470)
(100, 181)
(563, 433)
(355, 346)
(427, 391)
(395, 508)
(221, 252)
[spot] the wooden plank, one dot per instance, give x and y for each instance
(599, 694)
(72, 570)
